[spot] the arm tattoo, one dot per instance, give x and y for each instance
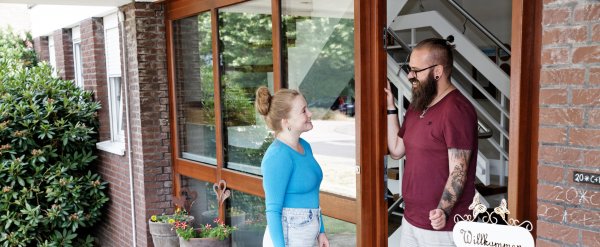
(459, 159)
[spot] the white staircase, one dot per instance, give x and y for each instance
(496, 118)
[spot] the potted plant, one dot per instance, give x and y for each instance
(235, 216)
(161, 227)
(204, 236)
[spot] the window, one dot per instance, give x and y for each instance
(113, 71)
(78, 64)
(195, 88)
(52, 54)
(116, 109)
(219, 57)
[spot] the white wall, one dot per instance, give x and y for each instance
(16, 16)
(45, 19)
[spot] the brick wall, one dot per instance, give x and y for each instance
(115, 229)
(63, 45)
(148, 92)
(40, 45)
(568, 212)
(94, 69)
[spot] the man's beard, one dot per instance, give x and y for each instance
(423, 93)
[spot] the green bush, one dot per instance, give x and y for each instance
(50, 197)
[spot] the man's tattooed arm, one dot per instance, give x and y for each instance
(458, 163)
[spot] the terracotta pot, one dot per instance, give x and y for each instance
(204, 242)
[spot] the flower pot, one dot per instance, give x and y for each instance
(163, 234)
(204, 242)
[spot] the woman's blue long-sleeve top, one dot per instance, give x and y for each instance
(290, 180)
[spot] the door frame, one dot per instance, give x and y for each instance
(524, 115)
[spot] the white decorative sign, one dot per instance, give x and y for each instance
(490, 232)
(468, 233)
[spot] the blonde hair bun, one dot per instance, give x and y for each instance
(263, 100)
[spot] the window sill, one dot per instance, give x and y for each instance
(117, 148)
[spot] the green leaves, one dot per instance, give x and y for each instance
(48, 132)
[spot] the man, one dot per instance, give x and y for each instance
(439, 139)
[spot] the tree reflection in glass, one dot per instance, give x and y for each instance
(246, 60)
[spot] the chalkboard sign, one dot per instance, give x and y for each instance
(584, 177)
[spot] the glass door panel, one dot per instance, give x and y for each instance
(247, 213)
(318, 60)
(205, 207)
(192, 45)
(246, 60)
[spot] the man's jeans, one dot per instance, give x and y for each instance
(300, 227)
(412, 236)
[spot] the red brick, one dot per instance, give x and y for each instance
(561, 155)
(550, 212)
(556, 16)
(550, 173)
(583, 217)
(586, 54)
(552, 135)
(595, 75)
(552, 193)
(555, 56)
(546, 243)
(584, 137)
(558, 232)
(589, 238)
(561, 35)
(596, 33)
(591, 158)
(587, 97)
(548, 2)
(553, 96)
(561, 116)
(563, 76)
(576, 193)
(588, 12)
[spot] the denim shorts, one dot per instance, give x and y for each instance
(300, 227)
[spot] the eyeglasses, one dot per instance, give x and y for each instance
(409, 70)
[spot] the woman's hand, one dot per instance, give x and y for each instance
(323, 242)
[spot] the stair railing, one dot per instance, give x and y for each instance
(475, 56)
(478, 25)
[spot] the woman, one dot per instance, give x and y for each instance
(291, 175)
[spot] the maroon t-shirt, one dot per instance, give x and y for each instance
(451, 123)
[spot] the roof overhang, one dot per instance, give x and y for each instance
(114, 3)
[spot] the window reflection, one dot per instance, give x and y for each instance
(204, 205)
(192, 45)
(318, 60)
(246, 60)
(247, 213)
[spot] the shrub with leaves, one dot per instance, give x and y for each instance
(50, 197)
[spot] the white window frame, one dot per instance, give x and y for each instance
(116, 108)
(116, 90)
(77, 59)
(52, 54)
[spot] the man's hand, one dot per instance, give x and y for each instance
(323, 242)
(389, 97)
(437, 218)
